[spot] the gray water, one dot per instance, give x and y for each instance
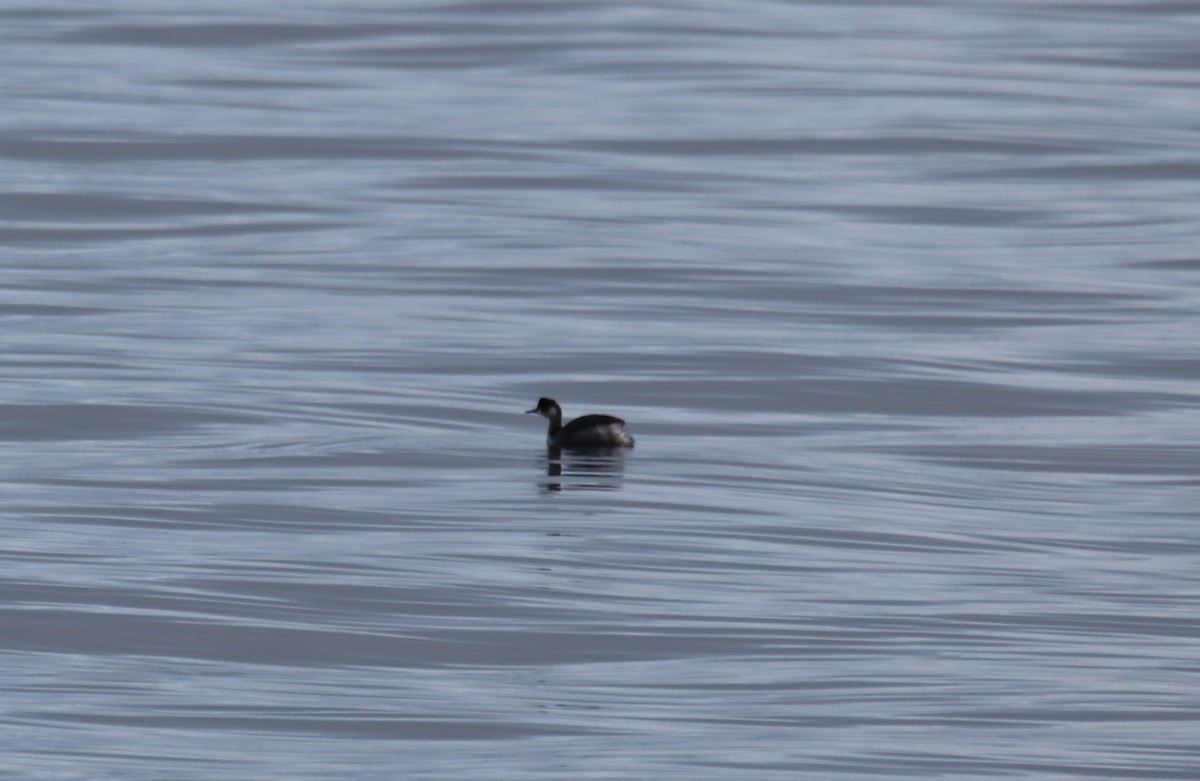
(900, 300)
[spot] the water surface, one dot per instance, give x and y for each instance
(900, 301)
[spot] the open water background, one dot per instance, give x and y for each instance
(900, 299)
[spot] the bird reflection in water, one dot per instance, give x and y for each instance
(595, 469)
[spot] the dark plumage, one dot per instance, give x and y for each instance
(589, 431)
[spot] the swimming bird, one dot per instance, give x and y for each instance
(588, 432)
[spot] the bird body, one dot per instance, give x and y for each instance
(587, 432)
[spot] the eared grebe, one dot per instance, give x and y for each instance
(590, 431)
